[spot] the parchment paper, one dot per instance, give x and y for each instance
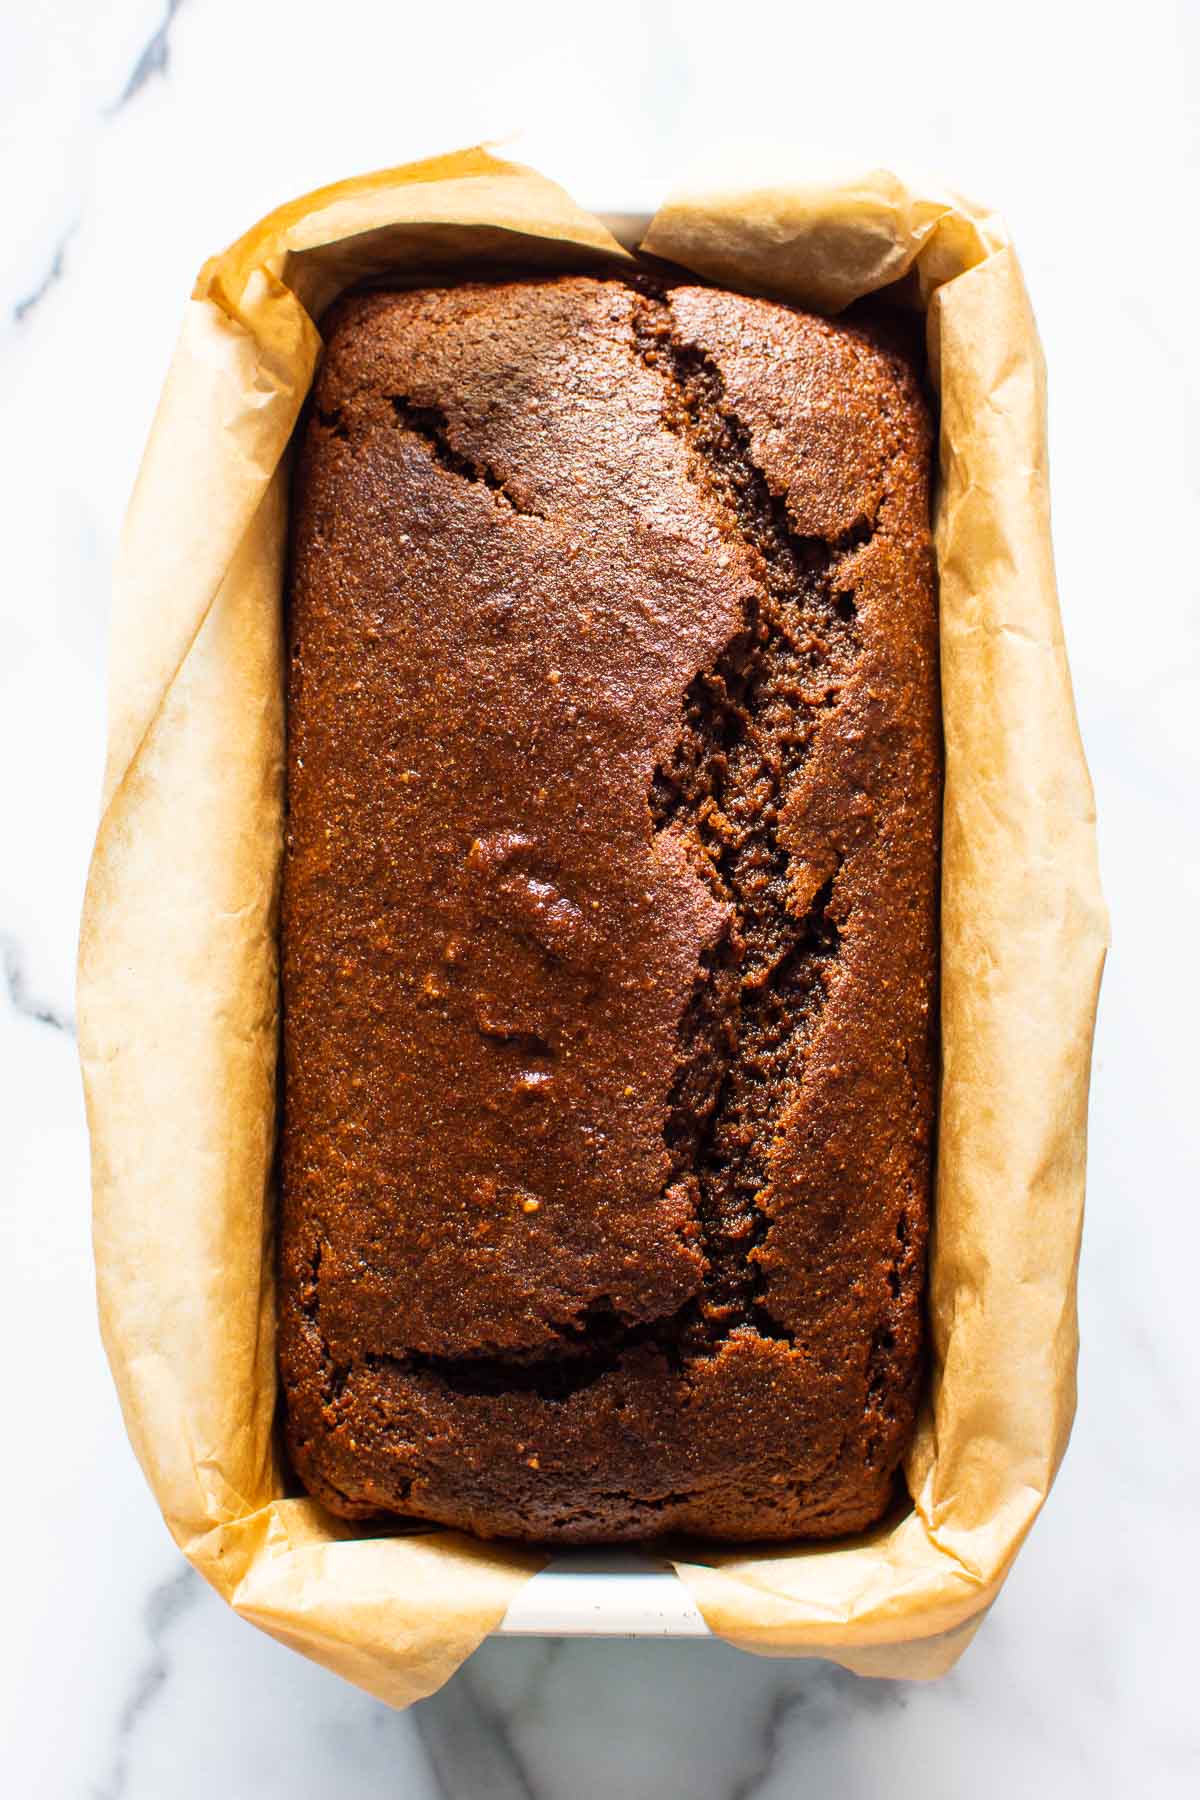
(178, 959)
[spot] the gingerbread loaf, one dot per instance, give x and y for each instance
(609, 914)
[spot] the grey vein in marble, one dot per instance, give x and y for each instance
(782, 1705)
(462, 1735)
(165, 1605)
(23, 308)
(22, 1001)
(154, 60)
(824, 1695)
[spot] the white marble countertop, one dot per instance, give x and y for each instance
(131, 147)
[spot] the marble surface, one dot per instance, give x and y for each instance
(133, 141)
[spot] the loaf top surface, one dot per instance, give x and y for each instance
(608, 912)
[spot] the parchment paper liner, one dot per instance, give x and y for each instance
(178, 960)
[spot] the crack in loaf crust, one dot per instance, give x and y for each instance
(609, 914)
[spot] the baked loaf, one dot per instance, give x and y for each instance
(609, 913)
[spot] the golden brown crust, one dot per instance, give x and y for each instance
(609, 914)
